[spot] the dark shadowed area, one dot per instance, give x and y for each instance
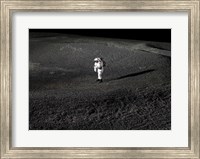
(136, 89)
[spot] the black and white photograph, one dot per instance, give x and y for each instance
(99, 79)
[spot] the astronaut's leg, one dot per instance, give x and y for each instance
(100, 72)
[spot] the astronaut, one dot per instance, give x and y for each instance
(99, 64)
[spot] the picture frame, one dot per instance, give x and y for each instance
(8, 7)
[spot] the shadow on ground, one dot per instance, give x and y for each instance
(132, 75)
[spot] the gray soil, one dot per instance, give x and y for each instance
(64, 95)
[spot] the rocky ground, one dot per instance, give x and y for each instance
(64, 94)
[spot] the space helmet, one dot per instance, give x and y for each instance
(97, 59)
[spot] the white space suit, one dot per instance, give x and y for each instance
(98, 67)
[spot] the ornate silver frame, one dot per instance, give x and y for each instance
(8, 7)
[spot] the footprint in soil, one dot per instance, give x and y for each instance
(92, 111)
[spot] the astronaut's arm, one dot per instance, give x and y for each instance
(95, 68)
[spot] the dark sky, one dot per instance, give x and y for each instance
(162, 35)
